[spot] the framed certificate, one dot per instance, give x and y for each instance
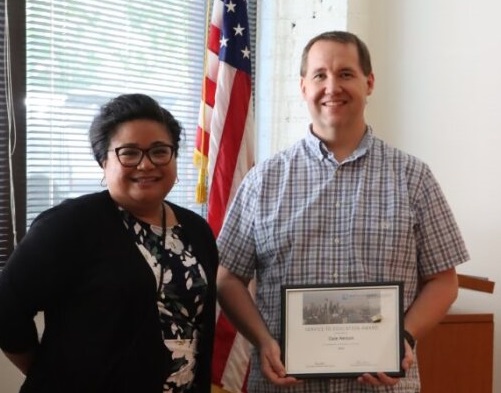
(342, 331)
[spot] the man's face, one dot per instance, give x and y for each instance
(335, 88)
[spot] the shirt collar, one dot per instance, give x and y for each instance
(321, 152)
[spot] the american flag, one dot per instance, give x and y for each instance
(225, 149)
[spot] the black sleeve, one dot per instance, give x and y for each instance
(36, 273)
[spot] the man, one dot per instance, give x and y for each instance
(338, 207)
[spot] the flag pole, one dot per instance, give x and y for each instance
(199, 157)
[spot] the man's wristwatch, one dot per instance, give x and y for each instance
(410, 339)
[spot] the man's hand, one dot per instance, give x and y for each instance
(272, 367)
(381, 378)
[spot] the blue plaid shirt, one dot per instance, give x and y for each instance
(303, 218)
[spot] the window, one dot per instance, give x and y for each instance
(71, 57)
(82, 53)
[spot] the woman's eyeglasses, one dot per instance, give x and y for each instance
(132, 156)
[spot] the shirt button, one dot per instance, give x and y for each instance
(334, 275)
(337, 241)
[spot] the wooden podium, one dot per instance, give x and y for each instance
(457, 355)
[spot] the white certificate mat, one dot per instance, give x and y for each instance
(342, 331)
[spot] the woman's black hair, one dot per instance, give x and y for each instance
(123, 108)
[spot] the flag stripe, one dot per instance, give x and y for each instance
(236, 370)
(214, 36)
(201, 142)
(227, 155)
(205, 110)
(210, 92)
(224, 339)
(213, 66)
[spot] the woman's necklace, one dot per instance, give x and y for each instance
(164, 227)
(161, 246)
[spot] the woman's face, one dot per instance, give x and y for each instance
(144, 186)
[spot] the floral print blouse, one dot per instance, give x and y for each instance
(181, 285)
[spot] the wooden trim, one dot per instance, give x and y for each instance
(468, 318)
(475, 283)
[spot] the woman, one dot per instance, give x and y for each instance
(125, 279)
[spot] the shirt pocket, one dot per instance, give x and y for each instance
(383, 242)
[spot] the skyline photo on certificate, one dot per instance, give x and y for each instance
(341, 306)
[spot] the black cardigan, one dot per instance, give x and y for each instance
(78, 265)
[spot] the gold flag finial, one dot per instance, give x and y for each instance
(201, 193)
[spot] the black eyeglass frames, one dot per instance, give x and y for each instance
(159, 155)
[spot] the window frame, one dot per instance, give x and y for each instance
(16, 193)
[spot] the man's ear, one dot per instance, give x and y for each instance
(302, 86)
(370, 83)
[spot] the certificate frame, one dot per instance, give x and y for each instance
(342, 331)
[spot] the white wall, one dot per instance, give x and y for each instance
(284, 28)
(10, 377)
(438, 90)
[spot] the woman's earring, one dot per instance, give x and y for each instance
(103, 182)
